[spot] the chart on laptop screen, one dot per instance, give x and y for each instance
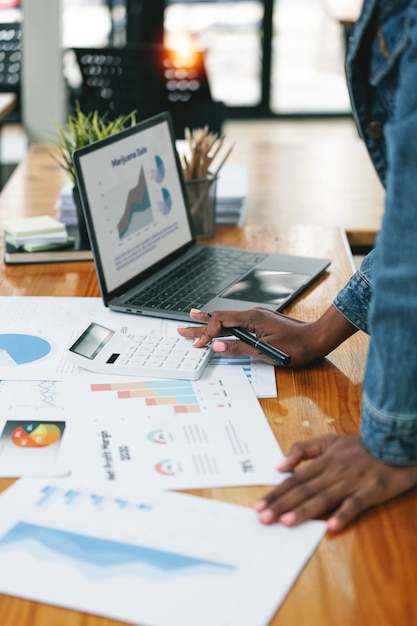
(135, 201)
(137, 213)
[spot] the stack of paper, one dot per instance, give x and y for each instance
(72, 531)
(36, 233)
(65, 206)
(232, 194)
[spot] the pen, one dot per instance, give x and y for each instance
(275, 354)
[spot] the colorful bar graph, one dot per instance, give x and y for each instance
(187, 408)
(152, 384)
(160, 401)
(136, 393)
(179, 394)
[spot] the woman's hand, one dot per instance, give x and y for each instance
(341, 477)
(303, 341)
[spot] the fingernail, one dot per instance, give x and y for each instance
(333, 524)
(260, 505)
(266, 516)
(196, 311)
(288, 519)
(281, 464)
(219, 346)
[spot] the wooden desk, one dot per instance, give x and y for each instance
(305, 172)
(366, 575)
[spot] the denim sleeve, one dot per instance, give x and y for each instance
(389, 407)
(354, 299)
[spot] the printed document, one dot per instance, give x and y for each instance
(36, 332)
(171, 434)
(148, 558)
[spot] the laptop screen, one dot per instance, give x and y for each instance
(133, 200)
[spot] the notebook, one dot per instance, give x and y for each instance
(147, 259)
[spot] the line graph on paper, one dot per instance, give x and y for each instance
(35, 395)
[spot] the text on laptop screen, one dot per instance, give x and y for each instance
(136, 202)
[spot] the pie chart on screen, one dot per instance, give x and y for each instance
(20, 349)
(165, 205)
(159, 172)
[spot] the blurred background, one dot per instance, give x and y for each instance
(263, 58)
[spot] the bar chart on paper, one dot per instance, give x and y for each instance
(66, 531)
(99, 557)
(261, 375)
(179, 395)
(177, 434)
(115, 554)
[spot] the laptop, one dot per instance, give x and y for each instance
(145, 253)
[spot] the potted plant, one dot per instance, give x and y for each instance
(80, 130)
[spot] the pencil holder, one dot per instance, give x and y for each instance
(201, 194)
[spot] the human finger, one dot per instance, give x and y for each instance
(304, 450)
(317, 486)
(388, 482)
(332, 482)
(235, 348)
(315, 495)
(289, 493)
(216, 324)
(201, 334)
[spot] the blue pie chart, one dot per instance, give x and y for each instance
(20, 349)
(166, 204)
(159, 173)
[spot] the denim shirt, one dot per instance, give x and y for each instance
(381, 71)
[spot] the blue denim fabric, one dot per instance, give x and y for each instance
(381, 69)
(353, 300)
(378, 40)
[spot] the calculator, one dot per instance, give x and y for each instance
(106, 351)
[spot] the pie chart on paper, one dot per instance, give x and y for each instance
(20, 349)
(35, 435)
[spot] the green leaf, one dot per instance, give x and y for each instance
(82, 129)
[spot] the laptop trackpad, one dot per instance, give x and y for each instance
(266, 286)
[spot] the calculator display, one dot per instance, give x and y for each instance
(93, 339)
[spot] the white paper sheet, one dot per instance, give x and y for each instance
(154, 559)
(36, 332)
(167, 433)
(170, 434)
(32, 428)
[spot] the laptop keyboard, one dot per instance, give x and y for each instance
(196, 281)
